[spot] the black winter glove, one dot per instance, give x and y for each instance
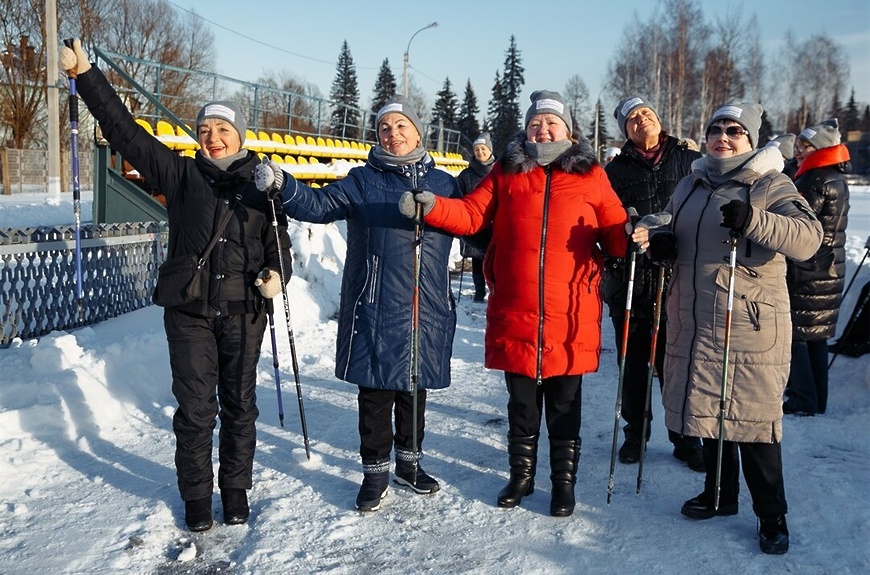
(735, 215)
(662, 246)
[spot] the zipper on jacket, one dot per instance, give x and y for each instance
(544, 220)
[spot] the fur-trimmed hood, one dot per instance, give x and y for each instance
(578, 159)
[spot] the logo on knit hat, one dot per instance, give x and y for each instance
(395, 107)
(729, 111)
(629, 105)
(219, 111)
(548, 104)
(808, 134)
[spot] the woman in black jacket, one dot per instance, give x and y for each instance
(475, 246)
(643, 175)
(214, 340)
(816, 285)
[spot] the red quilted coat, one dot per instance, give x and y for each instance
(543, 266)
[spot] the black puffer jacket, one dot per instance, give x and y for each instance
(474, 246)
(816, 285)
(197, 194)
(647, 188)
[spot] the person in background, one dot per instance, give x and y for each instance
(644, 176)
(816, 285)
(552, 210)
(735, 191)
(214, 341)
(474, 247)
(785, 144)
(374, 344)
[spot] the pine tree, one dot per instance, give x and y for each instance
(603, 136)
(468, 111)
(505, 111)
(445, 110)
(865, 120)
(851, 120)
(765, 131)
(385, 88)
(345, 118)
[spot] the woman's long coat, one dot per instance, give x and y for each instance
(373, 346)
(759, 348)
(544, 262)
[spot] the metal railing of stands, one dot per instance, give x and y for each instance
(269, 108)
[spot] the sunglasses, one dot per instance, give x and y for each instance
(730, 131)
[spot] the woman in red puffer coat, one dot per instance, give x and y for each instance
(552, 211)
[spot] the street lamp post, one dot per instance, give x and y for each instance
(405, 73)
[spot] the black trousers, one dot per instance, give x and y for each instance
(559, 398)
(214, 374)
(376, 407)
(762, 470)
(477, 275)
(636, 373)
(807, 388)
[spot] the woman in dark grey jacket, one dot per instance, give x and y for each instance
(214, 340)
(374, 348)
(816, 285)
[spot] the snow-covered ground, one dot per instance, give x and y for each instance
(87, 481)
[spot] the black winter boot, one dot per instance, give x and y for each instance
(773, 535)
(418, 480)
(197, 514)
(523, 457)
(629, 452)
(376, 482)
(564, 457)
(235, 503)
(701, 506)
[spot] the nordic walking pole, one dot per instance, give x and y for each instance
(623, 347)
(461, 275)
(270, 311)
(289, 325)
(653, 350)
(415, 329)
(732, 266)
(77, 199)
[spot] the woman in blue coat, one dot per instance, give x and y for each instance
(373, 348)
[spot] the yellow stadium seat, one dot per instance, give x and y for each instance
(313, 160)
(330, 143)
(277, 138)
(288, 159)
(277, 158)
(302, 160)
(145, 125)
(164, 128)
(189, 153)
(300, 140)
(321, 141)
(310, 141)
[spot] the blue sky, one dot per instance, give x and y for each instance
(557, 39)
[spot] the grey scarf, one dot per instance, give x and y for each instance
(225, 163)
(720, 171)
(545, 153)
(413, 157)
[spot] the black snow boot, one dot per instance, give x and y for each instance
(689, 449)
(701, 506)
(235, 503)
(523, 457)
(773, 535)
(410, 473)
(197, 514)
(376, 482)
(629, 452)
(564, 457)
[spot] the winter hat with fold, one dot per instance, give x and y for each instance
(824, 135)
(226, 110)
(547, 102)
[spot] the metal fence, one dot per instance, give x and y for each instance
(38, 272)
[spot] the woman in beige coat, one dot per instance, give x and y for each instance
(734, 187)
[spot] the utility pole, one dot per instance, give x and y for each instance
(51, 95)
